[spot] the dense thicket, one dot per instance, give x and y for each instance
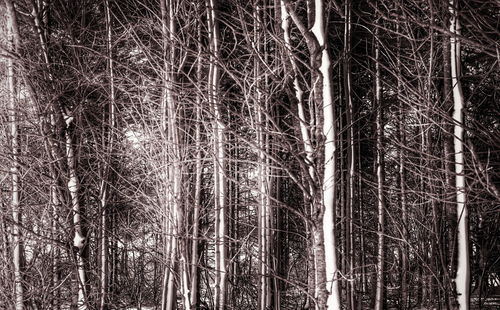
(291, 154)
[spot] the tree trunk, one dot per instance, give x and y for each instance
(329, 173)
(17, 243)
(79, 238)
(175, 250)
(105, 169)
(351, 157)
(261, 101)
(462, 279)
(194, 291)
(379, 297)
(324, 244)
(219, 161)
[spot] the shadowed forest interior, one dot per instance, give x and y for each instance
(257, 154)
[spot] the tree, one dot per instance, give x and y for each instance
(379, 296)
(462, 279)
(219, 165)
(17, 241)
(323, 204)
(263, 154)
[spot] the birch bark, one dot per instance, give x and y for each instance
(329, 174)
(327, 288)
(17, 252)
(462, 279)
(219, 160)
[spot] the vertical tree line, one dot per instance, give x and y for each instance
(269, 154)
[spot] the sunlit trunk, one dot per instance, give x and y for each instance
(322, 204)
(194, 292)
(379, 296)
(261, 99)
(462, 279)
(304, 126)
(78, 238)
(105, 169)
(219, 160)
(17, 243)
(329, 172)
(172, 173)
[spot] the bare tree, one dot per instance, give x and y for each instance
(462, 279)
(17, 242)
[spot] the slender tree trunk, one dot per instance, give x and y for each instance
(448, 214)
(194, 292)
(402, 182)
(351, 157)
(79, 238)
(72, 186)
(362, 246)
(404, 209)
(379, 297)
(219, 161)
(56, 251)
(329, 174)
(260, 98)
(305, 135)
(323, 206)
(462, 279)
(299, 92)
(196, 216)
(175, 254)
(105, 177)
(17, 243)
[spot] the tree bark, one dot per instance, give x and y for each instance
(323, 206)
(171, 173)
(379, 296)
(105, 173)
(17, 239)
(219, 160)
(195, 256)
(402, 181)
(261, 100)
(351, 155)
(462, 279)
(330, 145)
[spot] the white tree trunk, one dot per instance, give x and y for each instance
(462, 279)
(379, 295)
(176, 260)
(219, 162)
(299, 93)
(13, 38)
(260, 99)
(380, 227)
(105, 170)
(78, 238)
(324, 236)
(73, 184)
(197, 189)
(329, 131)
